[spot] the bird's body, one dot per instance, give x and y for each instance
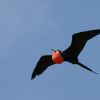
(70, 54)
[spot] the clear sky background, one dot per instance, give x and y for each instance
(28, 30)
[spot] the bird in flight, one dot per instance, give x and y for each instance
(70, 54)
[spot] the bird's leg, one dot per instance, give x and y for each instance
(80, 64)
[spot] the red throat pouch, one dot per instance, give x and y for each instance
(57, 58)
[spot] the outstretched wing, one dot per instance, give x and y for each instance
(43, 63)
(79, 40)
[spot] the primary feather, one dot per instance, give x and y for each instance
(78, 42)
(43, 63)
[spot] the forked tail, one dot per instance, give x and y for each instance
(83, 66)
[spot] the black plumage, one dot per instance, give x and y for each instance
(70, 54)
(43, 63)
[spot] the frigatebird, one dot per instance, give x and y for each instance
(70, 54)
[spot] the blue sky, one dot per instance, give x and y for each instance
(28, 30)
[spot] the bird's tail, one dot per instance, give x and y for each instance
(80, 64)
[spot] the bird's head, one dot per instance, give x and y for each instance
(53, 50)
(56, 50)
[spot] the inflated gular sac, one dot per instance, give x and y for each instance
(57, 58)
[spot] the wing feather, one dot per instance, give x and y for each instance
(79, 40)
(43, 63)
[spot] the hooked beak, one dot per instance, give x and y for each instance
(53, 50)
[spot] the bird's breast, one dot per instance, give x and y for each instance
(57, 58)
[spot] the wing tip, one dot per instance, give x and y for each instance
(94, 72)
(33, 76)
